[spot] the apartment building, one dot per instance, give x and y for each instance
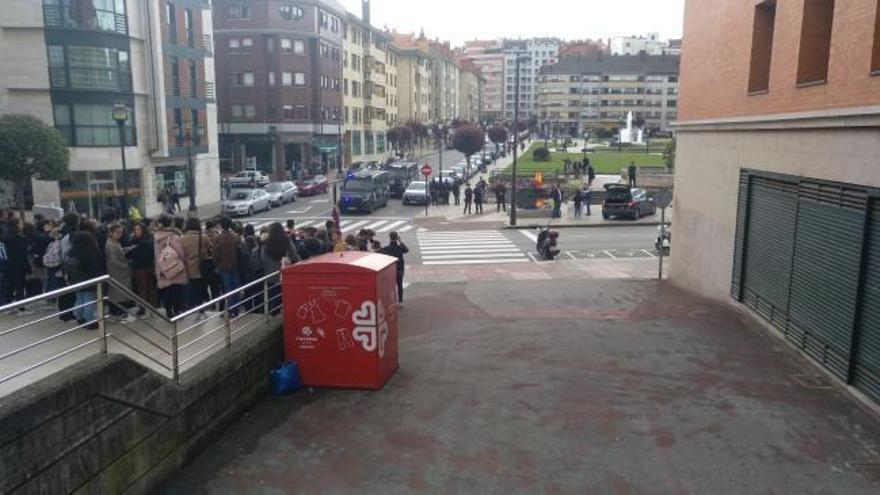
(74, 60)
(533, 54)
(488, 58)
(470, 91)
(280, 90)
(414, 76)
(581, 94)
(369, 71)
(445, 81)
(583, 48)
(633, 45)
(776, 185)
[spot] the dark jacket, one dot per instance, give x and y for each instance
(16, 254)
(226, 251)
(396, 249)
(143, 255)
(88, 265)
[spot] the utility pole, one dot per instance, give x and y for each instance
(515, 142)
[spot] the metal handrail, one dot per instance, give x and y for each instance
(266, 282)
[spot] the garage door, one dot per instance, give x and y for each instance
(825, 272)
(768, 248)
(866, 365)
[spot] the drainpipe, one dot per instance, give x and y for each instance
(148, 30)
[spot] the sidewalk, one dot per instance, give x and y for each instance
(559, 386)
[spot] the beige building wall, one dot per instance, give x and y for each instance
(353, 106)
(707, 171)
(392, 109)
(414, 86)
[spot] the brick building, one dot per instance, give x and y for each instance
(280, 89)
(776, 182)
(74, 60)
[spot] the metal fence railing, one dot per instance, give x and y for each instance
(36, 345)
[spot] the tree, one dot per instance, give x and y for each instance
(406, 136)
(30, 149)
(669, 154)
(393, 135)
(498, 135)
(541, 155)
(469, 140)
(639, 121)
(418, 129)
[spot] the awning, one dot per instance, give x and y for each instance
(326, 144)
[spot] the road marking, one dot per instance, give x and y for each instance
(570, 255)
(648, 253)
(298, 212)
(374, 225)
(532, 257)
(609, 254)
(476, 262)
(318, 201)
(427, 251)
(391, 226)
(406, 228)
(465, 256)
(353, 226)
(530, 235)
(486, 242)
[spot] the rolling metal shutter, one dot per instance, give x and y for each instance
(741, 219)
(866, 355)
(768, 248)
(825, 273)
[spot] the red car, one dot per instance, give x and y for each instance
(312, 186)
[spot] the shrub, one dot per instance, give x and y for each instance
(541, 155)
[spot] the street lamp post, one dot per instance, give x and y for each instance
(515, 140)
(187, 134)
(120, 115)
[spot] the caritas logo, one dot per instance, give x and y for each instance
(370, 327)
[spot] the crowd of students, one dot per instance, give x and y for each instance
(173, 263)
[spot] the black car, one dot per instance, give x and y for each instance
(623, 201)
(401, 174)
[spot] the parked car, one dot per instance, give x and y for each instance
(623, 201)
(312, 186)
(249, 178)
(486, 157)
(415, 194)
(401, 174)
(281, 192)
(246, 202)
(448, 175)
(460, 172)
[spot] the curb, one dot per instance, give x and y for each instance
(585, 226)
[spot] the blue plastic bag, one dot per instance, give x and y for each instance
(284, 379)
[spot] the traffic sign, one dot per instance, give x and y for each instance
(426, 170)
(663, 198)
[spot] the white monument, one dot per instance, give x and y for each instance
(628, 134)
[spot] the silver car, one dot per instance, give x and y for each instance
(246, 202)
(281, 192)
(249, 178)
(415, 193)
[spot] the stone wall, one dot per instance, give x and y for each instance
(108, 425)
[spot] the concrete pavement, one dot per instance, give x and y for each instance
(560, 385)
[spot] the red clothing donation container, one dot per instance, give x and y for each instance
(340, 319)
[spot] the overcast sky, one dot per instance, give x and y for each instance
(462, 20)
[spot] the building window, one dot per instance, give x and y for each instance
(171, 22)
(356, 142)
(178, 127)
(247, 44)
(290, 12)
(193, 79)
(299, 79)
(92, 125)
(238, 11)
(299, 112)
(271, 79)
(875, 59)
(762, 46)
(190, 29)
(287, 112)
(370, 148)
(234, 44)
(286, 45)
(815, 45)
(87, 67)
(91, 15)
(287, 79)
(175, 76)
(241, 79)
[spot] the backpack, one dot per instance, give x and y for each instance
(169, 263)
(52, 258)
(70, 268)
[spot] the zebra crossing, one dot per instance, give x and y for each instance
(468, 248)
(347, 225)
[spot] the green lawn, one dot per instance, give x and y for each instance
(604, 162)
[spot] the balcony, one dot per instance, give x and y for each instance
(208, 44)
(66, 17)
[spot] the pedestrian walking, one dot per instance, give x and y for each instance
(479, 191)
(456, 191)
(226, 260)
(398, 249)
(17, 266)
(171, 274)
(468, 199)
(591, 173)
(631, 174)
